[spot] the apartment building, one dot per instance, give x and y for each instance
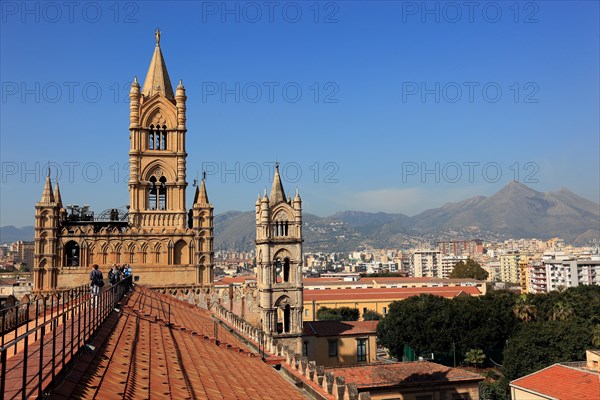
(427, 263)
(509, 267)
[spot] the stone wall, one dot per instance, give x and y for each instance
(313, 377)
(151, 276)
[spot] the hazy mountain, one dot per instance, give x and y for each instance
(515, 211)
(518, 211)
(9, 234)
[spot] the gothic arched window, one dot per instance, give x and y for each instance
(151, 138)
(162, 193)
(286, 270)
(152, 194)
(163, 138)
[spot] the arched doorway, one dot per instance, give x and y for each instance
(71, 251)
(180, 253)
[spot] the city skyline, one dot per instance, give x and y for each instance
(380, 125)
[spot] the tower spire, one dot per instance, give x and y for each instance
(157, 78)
(57, 196)
(47, 194)
(203, 196)
(277, 192)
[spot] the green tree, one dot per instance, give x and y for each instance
(561, 311)
(540, 344)
(469, 269)
(475, 357)
(596, 336)
(524, 309)
(494, 389)
(372, 315)
(337, 314)
(422, 322)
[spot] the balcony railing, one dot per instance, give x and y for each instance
(43, 335)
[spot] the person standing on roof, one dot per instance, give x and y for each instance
(96, 283)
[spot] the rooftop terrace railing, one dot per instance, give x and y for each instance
(35, 309)
(47, 332)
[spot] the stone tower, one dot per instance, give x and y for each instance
(279, 264)
(48, 212)
(163, 242)
(157, 156)
(202, 223)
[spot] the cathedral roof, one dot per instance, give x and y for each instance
(137, 355)
(277, 192)
(157, 79)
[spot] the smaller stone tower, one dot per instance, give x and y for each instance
(279, 264)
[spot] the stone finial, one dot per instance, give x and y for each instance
(312, 365)
(320, 375)
(352, 391)
(304, 364)
(340, 382)
(329, 377)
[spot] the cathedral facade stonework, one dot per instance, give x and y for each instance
(164, 243)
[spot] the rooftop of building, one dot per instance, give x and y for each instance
(227, 280)
(339, 328)
(403, 374)
(388, 293)
(139, 356)
(385, 280)
(561, 382)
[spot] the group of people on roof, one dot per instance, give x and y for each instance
(119, 272)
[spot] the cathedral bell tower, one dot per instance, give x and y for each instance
(157, 156)
(279, 264)
(48, 213)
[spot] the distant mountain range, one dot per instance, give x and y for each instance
(515, 211)
(9, 233)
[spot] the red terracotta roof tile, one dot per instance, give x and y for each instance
(381, 280)
(561, 382)
(226, 280)
(387, 293)
(404, 373)
(144, 358)
(339, 328)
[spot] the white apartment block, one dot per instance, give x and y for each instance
(448, 263)
(427, 263)
(565, 271)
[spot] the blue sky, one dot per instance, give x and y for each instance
(379, 106)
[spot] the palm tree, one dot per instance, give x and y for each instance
(524, 309)
(475, 357)
(561, 311)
